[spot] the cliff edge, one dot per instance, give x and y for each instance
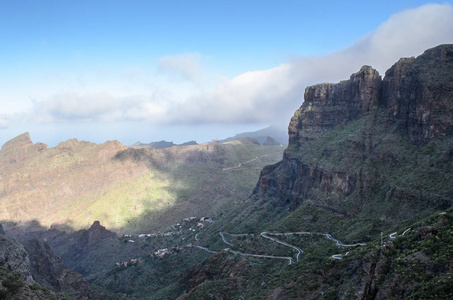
(371, 145)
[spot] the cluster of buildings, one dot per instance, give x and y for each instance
(190, 223)
(144, 235)
(202, 219)
(200, 222)
(178, 227)
(125, 264)
(161, 252)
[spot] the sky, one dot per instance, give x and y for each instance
(190, 70)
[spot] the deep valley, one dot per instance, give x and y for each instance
(358, 205)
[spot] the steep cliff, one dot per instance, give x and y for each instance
(76, 249)
(418, 94)
(370, 162)
(30, 270)
(366, 145)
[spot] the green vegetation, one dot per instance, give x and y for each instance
(132, 197)
(11, 283)
(127, 190)
(418, 266)
(12, 286)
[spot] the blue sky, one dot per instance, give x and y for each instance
(184, 70)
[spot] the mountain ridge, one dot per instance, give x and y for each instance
(273, 132)
(73, 183)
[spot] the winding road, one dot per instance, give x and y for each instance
(266, 235)
(340, 244)
(205, 249)
(291, 260)
(244, 162)
(224, 239)
(299, 251)
(406, 231)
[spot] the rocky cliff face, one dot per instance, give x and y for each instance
(418, 94)
(329, 105)
(351, 143)
(47, 267)
(77, 248)
(15, 258)
(34, 262)
(93, 235)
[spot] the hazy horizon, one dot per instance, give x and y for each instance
(149, 71)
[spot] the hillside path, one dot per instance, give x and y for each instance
(244, 162)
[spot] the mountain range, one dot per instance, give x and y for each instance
(271, 135)
(358, 206)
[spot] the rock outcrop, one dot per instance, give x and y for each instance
(45, 265)
(75, 248)
(93, 235)
(18, 150)
(35, 263)
(418, 94)
(349, 142)
(328, 105)
(20, 141)
(15, 258)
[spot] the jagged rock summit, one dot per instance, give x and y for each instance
(95, 234)
(415, 92)
(328, 105)
(20, 148)
(19, 141)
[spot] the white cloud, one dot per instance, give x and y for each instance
(273, 95)
(104, 107)
(187, 66)
(407, 33)
(3, 124)
(238, 99)
(267, 96)
(9, 120)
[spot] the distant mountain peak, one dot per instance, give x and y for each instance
(17, 142)
(160, 145)
(277, 134)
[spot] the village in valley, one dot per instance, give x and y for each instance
(191, 225)
(188, 225)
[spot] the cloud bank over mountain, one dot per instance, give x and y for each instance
(182, 90)
(267, 96)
